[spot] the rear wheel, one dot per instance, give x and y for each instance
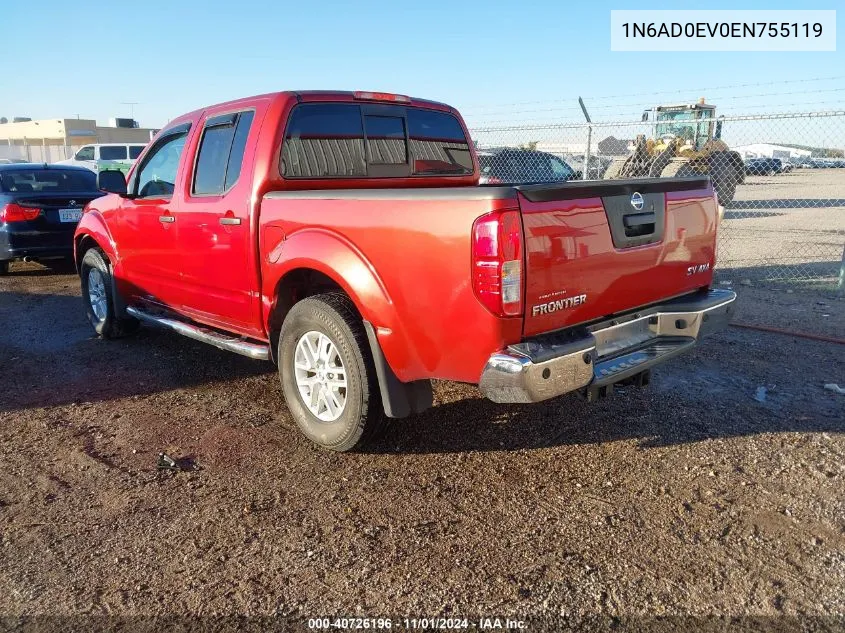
(327, 373)
(4, 267)
(96, 278)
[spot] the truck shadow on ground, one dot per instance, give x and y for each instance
(57, 361)
(653, 416)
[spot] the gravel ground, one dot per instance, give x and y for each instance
(689, 498)
(786, 226)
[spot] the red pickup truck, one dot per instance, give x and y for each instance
(344, 237)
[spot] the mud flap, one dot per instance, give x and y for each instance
(400, 399)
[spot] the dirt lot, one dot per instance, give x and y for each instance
(688, 498)
(786, 226)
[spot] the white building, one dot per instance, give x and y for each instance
(49, 140)
(563, 148)
(769, 150)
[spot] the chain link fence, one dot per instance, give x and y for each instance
(781, 178)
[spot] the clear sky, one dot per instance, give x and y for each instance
(68, 58)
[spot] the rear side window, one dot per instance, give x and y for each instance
(47, 181)
(334, 140)
(113, 152)
(135, 151)
(221, 153)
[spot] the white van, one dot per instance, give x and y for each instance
(106, 156)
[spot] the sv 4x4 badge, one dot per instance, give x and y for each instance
(698, 268)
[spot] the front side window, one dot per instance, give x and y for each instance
(221, 153)
(112, 152)
(157, 176)
(86, 153)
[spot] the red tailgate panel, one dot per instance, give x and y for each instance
(570, 253)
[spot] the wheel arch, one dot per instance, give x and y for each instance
(93, 231)
(313, 262)
(316, 258)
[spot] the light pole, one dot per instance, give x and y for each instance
(131, 105)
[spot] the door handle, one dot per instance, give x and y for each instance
(166, 219)
(227, 221)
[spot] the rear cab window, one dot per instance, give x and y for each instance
(349, 140)
(47, 181)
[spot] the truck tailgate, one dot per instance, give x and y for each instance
(595, 249)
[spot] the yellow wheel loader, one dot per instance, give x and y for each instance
(686, 141)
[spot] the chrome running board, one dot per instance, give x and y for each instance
(227, 342)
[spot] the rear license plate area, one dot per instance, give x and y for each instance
(70, 215)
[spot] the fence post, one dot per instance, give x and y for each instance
(585, 173)
(841, 284)
(586, 170)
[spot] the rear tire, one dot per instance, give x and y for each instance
(323, 343)
(96, 278)
(725, 177)
(4, 267)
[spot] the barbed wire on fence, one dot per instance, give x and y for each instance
(780, 176)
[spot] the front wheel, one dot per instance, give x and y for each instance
(96, 278)
(327, 372)
(4, 267)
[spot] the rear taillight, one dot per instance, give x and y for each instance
(12, 212)
(497, 262)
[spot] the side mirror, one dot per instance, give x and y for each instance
(645, 115)
(112, 180)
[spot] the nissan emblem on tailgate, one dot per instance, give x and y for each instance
(637, 200)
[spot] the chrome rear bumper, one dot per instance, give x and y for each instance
(604, 353)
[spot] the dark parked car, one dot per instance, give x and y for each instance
(511, 165)
(40, 206)
(763, 166)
